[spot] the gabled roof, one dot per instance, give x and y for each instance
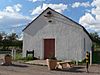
(36, 18)
(63, 16)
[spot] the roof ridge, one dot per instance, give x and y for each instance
(61, 15)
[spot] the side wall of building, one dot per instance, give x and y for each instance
(87, 44)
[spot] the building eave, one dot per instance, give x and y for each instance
(63, 16)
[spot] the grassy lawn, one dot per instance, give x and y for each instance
(20, 58)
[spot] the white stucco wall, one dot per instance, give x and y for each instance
(68, 36)
(88, 44)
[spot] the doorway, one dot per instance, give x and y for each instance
(49, 48)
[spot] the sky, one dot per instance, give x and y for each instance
(16, 14)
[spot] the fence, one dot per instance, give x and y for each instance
(3, 53)
(12, 53)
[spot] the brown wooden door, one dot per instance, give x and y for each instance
(49, 48)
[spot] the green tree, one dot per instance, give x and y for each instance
(1, 37)
(96, 40)
(12, 37)
(8, 41)
(95, 37)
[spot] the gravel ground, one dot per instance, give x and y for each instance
(25, 69)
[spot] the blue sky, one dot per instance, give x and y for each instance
(16, 14)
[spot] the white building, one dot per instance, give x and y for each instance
(53, 34)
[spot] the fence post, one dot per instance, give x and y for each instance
(90, 57)
(12, 54)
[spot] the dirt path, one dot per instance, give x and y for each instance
(25, 69)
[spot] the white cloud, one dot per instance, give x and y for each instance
(90, 21)
(37, 10)
(17, 7)
(86, 19)
(96, 3)
(78, 4)
(85, 4)
(35, 0)
(96, 10)
(10, 16)
(9, 9)
(12, 9)
(20, 37)
(58, 7)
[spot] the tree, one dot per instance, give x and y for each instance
(12, 37)
(1, 37)
(96, 40)
(8, 41)
(95, 37)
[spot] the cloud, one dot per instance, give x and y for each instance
(92, 20)
(13, 18)
(12, 9)
(10, 16)
(9, 9)
(86, 19)
(17, 7)
(37, 10)
(78, 4)
(58, 7)
(20, 37)
(96, 3)
(35, 0)
(1, 17)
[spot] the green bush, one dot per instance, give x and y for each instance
(28, 58)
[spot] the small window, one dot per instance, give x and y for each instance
(84, 45)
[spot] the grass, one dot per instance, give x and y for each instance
(24, 59)
(18, 56)
(96, 58)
